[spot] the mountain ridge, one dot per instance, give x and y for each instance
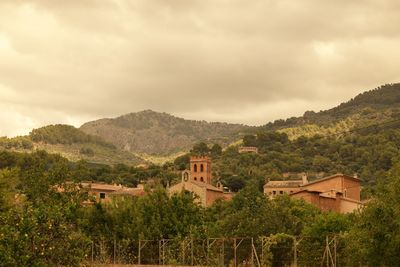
(151, 132)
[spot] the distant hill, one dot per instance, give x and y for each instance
(154, 133)
(71, 143)
(160, 137)
(369, 108)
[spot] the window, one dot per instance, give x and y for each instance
(274, 192)
(195, 168)
(195, 178)
(281, 192)
(102, 195)
(201, 167)
(202, 179)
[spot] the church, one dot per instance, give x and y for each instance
(198, 180)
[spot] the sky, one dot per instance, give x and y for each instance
(238, 61)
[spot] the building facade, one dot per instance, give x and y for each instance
(338, 193)
(102, 192)
(198, 180)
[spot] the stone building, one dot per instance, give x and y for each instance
(102, 192)
(274, 188)
(199, 181)
(339, 192)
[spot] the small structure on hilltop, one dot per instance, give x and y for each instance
(198, 180)
(339, 192)
(248, 149)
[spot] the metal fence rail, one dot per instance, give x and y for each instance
(235, 252)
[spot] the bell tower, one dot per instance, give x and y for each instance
(200, 169)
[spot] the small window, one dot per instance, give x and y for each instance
(102, 195)
(195, 168)
(281, 192)
(202, 179)
(201, 167)
(274, 192)
(195, 178)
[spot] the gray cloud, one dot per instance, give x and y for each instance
(238, 61)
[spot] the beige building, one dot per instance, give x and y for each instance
(339, 192)
(199, 181)
(102, 192)
(275, 188)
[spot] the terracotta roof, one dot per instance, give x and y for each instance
(207, 186)
(334, 176)
(285, 183)
(312, 192)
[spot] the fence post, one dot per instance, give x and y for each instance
(192, 251)
(234, 252)
(115, 247)
(139, 248)
(252, 252)
(92, 252)
(295, 251)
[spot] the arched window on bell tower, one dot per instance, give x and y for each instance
(195, 168)
(201, 168)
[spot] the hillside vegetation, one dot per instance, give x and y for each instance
(154, 133)
(385, 98)
(71, 143)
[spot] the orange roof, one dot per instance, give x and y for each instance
(207, 186)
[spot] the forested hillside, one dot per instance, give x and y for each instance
(71, 143)
(368, 153)
(150, 132)
(41, 226)
(371, 107)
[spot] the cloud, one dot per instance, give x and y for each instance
(236, 61)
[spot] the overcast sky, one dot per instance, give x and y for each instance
(218, 60)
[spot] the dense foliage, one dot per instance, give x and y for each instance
(65, 134)
(376, 100)
(40, 226)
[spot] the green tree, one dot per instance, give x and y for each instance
(375, 238)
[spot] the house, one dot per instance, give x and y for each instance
(102, 192)
(338, 193)
(274, 188)
(198, 180)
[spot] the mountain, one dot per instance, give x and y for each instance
(379, 105)
(154, 133)
(71, 143)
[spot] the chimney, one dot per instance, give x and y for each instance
(304, 178)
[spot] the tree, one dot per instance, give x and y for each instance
(200, 149)
(375, 238)
(216, 150)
